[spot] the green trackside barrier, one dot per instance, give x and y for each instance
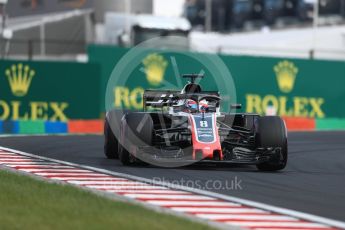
(48, 91)
(31, 127)
(330, 124)
(289, 87)
(151, 70)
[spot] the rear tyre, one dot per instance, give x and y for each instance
(136, 131)
(271, 132)
(125, 156)
(110, 142)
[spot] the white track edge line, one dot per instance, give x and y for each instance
(289, 212)
(121, 198)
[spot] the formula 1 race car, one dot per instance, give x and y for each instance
(189, 127)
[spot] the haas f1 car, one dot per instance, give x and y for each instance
(187, 126)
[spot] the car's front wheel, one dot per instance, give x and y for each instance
(136, 131)
(271, 132)
(110, 142)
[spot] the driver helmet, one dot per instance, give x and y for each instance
(191, 105)
(203, 106)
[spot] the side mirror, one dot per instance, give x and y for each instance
(235, 106)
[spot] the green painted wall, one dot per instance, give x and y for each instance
(55, 91)
(290, 87)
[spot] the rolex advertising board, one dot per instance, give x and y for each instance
(48, 91)
(289, 87)
(286, 87)
(150, 69)
(158, 70)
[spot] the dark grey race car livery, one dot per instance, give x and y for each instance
(187, 126)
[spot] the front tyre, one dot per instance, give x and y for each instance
(136, 131)
(110, 142)
(124, 156)
(271, 132)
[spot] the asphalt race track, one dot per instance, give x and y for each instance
(313, 182)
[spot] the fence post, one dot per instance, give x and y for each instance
(3, 27)
(311, 54)
(208, 16)
(30, 49)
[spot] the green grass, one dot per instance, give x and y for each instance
(27, 203)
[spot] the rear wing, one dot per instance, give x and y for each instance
(162, 98)
(159, 98)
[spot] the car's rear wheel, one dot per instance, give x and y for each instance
(271, 132)
(136, 131)
(125, 157)
(110, 142)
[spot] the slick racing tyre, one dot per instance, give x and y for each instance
(110, 142)
(271, 132)
(136, 131)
